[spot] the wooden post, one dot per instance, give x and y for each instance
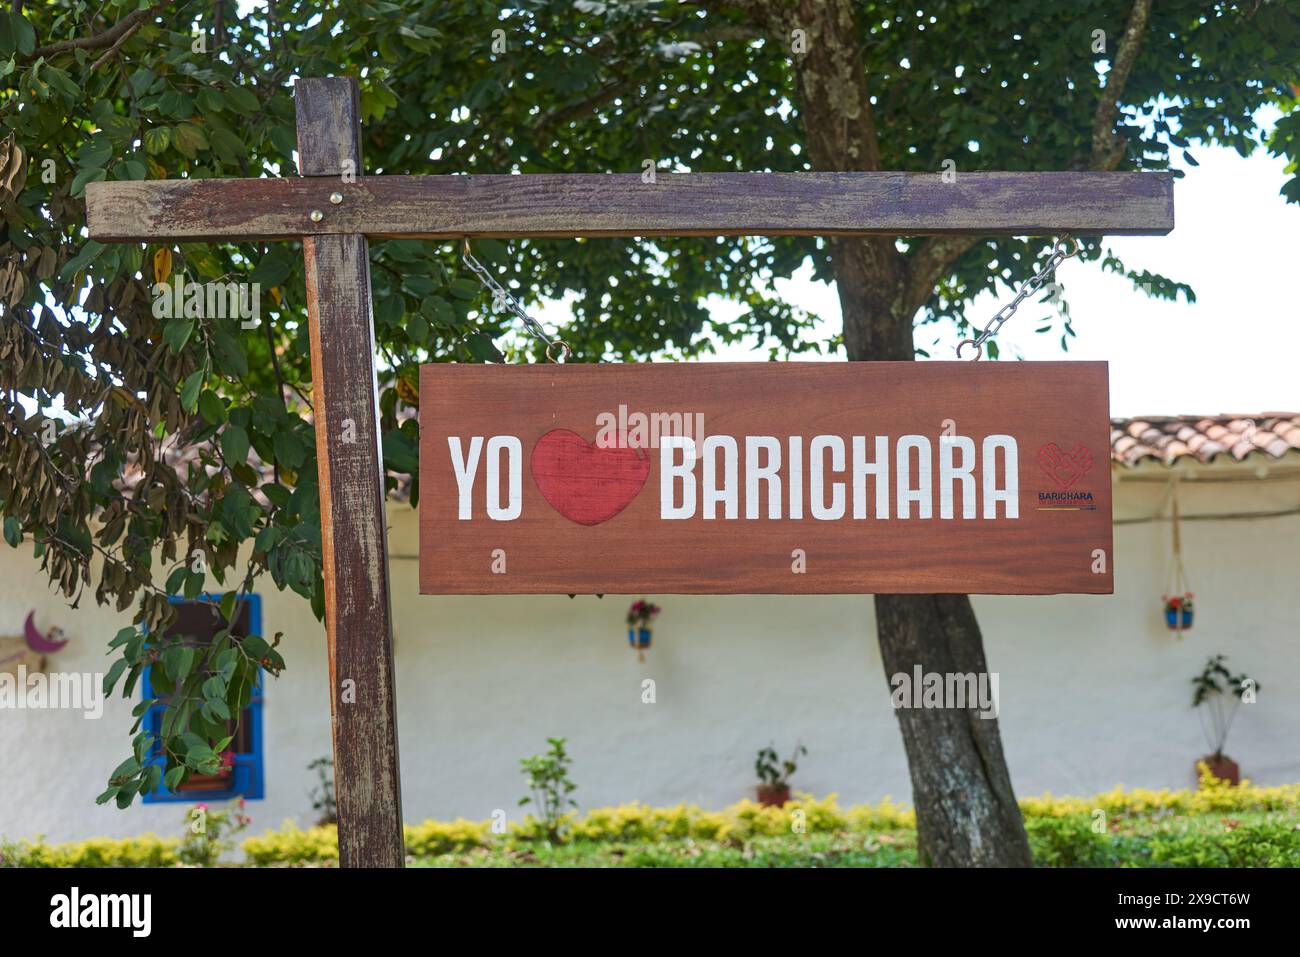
(349, 460)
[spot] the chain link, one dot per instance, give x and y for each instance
(502, 299)
(1065, 248)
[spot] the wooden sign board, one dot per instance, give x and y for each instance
(789, 478)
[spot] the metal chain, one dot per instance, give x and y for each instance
(502, 298)
(1064, 248)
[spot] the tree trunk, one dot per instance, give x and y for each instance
(966, 811)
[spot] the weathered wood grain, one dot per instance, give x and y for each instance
(685, 204)
(358, 614)
(616, 542)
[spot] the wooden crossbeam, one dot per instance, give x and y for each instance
(681, 204)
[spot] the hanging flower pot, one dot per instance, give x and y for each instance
(1179, 611)
(1178, 600)
(639, 634)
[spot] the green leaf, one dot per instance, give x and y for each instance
(171, 661)
(211, 407)
(418, 285)
(185, 661)
(176, 333)
(87, 176)
(273, 268)
(115, 672)
(439, 311)
(483, 348)
(417, 327)
(228, 602)
(289, 452)
(400, 454)
(189, 140)
(210, 100)
(174, 778)
(157, 139)
(176, 580)
(126, 768)
(234, 444)
(190, 390)
(228, 354)
(242, 100)
(255, 647)
(228, 146)
(24, 35)
(268, 538)
(278, 495)
(13, 531)
(465, 289)
(94, 152)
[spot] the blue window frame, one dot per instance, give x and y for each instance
(246, 777)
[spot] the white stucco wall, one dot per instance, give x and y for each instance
(1094, 690)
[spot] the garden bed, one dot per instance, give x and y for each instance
(1215, 826)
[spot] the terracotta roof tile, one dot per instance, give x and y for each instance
(1202, 438)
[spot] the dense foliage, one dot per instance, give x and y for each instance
(103, 395)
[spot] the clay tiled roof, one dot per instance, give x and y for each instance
(1167, 439)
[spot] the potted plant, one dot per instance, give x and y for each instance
(774, 775)
(1218, 693)
(639, 633)
(1178, 611)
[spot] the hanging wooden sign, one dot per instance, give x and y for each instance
(790, 478)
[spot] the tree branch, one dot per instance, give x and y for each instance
(936, 255)
(115, 47)
(127, 24)
(1108, 146)
(929, 264)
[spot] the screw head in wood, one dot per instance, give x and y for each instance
(336, 198)
(317, 215)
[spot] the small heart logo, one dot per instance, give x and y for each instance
(585, 483)
(1064, 468)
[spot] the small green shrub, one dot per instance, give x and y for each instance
(290, 846)
(146, 850)
(1069, 842)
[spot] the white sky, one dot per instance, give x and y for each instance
(1237, 349)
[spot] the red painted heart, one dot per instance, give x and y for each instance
(585, 483)
(1064, 468)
